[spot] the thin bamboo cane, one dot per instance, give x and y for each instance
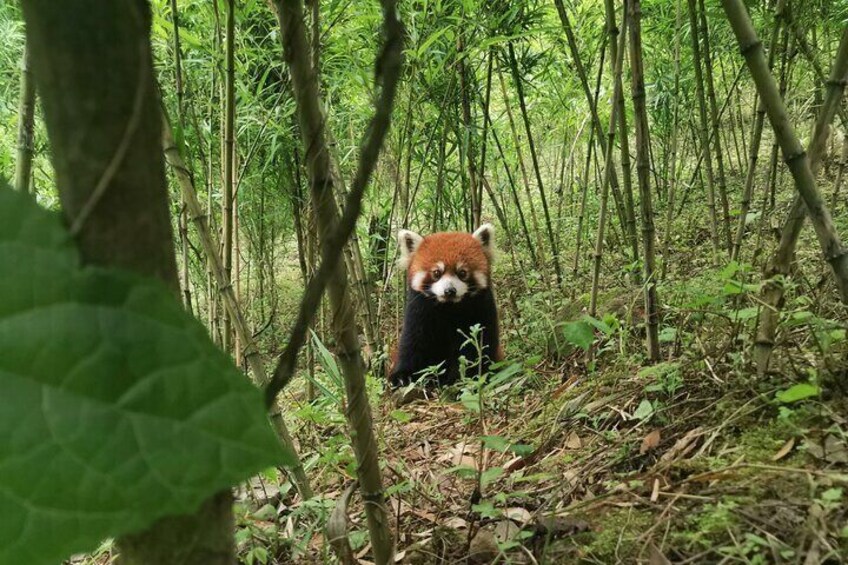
(608, 165)
(334, 232)
(802, 167)
(704, 127)
(756, 137)
(228, 296)
(637, 73)
(26, 119)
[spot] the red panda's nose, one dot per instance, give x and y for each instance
(450, 292)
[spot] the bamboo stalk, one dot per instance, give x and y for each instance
(519, 85)
(608, 165)
(513, 191)
(182, 219)
(672, 177)
(643, 172)
(802, 167)
(227, 158)
(721, 184)
(843, 161)
(334, 233)
(522, 166)
(228, 296)
(468, 134)
(756, 137)
(26, 119)
(623, 139)
(704, 126)
(591, 100)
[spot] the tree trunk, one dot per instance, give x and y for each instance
(94, 70)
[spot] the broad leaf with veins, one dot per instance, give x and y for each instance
(116, 408)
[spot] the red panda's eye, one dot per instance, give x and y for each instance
(437, 274)
(462, 273)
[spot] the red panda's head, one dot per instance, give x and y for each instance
(448, 265)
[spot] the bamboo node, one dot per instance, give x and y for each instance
(372, 497)
(789, 159)
(747, 48)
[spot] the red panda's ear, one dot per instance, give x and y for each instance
(408, 242)
(485, 234)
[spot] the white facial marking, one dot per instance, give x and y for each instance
(417, 282)
(480, 279)
(443, 287)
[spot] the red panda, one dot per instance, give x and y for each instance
(449, 290)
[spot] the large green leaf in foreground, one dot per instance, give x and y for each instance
(115, 407)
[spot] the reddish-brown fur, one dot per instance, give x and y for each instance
(451, 248)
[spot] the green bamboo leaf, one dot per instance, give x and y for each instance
(800, 391)
(117, 409)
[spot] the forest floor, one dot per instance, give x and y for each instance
(613, 460)
(622, 471)
(560, 458)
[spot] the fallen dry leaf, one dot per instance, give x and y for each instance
(573, 441)
(456, 523)
(682, 446)
(506, 530)
(518, 514)
(560, 526)
(784, 451)
(835, 450)
(650, 442)
(483, 548)
(657, 557)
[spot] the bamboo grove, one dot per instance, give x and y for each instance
(619, 147)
